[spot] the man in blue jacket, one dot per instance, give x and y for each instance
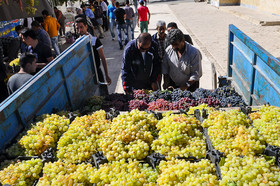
(141, 66)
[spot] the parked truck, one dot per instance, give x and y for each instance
(71, 78)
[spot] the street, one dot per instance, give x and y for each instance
(208, 28)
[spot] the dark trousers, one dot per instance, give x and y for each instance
(105, 21)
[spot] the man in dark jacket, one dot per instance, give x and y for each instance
(141, 65)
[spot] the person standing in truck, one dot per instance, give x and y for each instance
(97, 46)
(181, 65)
(28, 65)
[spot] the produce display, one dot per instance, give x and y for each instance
(180, 136)
(267, 121)
(44, 135)
(129, 136)
(80, 141)
(249, 170)
(181, 172)
(148, 148)
(179, 99)
(21, 173)
(231, 133)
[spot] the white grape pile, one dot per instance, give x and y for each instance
(249, 170)
(181, 172)
(267, 121)
(125, 173)
(81, 139)
(129, 136)
(230, 132)
(179, 135)
(44, 135)
(21, 173)
(59, 173)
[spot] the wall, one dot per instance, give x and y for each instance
(271, 6)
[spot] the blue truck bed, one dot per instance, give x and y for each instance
(63, 84)
(254, 72)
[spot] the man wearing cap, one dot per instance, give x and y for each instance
(141, 66)
(143, 19)
(181, 66)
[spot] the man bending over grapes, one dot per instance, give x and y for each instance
(141, 65)
(181, 65)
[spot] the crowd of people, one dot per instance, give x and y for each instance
(147, 60)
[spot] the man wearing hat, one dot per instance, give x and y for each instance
(143, 19)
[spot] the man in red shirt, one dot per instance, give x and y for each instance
(143, 19)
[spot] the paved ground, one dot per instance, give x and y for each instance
(208, 27)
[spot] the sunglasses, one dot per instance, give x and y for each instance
(144, 48)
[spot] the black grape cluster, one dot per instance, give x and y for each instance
(201, 93)
(177, 94)
(118, 101)
(228, 97)
(166, 95)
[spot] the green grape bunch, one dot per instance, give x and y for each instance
(44, 135)
(179, 135)
(81, 139)
(21, 173)
(231, 133)
(129, 136)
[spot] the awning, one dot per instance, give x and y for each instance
(12, 10)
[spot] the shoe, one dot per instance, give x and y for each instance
(121, 47)
(113, 39)
(100, 37)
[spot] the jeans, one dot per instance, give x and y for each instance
(55, 45)
(121, 27)
(129, 23)
(112, 25)
(135, 2)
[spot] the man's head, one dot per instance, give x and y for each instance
(28, 36)
(127, 2)
(81, 25)
(83, 7)
(35, 25)
(45, 13)
(171, 25)
(95, 3)
(55, 9)
(144, 42)
(161, 28)
(113, 2)
(176, 38)
(27, 62)
(141, 2)
(117, 4)
(19, 28)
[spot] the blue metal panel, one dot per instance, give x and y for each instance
(255, 72)
(63, 84)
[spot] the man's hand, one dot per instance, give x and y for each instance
(154, 86)
(108, 79)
